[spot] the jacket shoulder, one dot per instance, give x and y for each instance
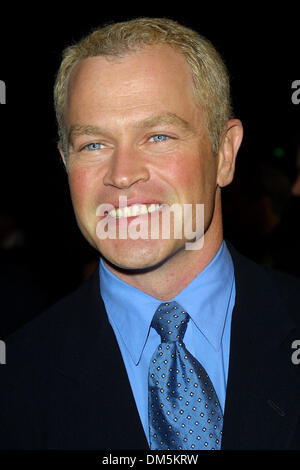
(49, 329)
(289, 290)
(270, 282)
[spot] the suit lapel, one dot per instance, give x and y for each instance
(91, 356)
(262, 390)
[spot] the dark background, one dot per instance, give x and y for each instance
(261, 50)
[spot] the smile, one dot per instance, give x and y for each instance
(135, 210)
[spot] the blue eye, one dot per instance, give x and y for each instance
(94, 146)
(159, 138)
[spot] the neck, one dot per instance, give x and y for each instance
(172, 276)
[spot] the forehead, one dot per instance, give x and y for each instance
(116, 92)
(152, 69)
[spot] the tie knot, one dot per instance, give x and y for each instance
(170, 321)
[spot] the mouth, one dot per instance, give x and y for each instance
(135, 210)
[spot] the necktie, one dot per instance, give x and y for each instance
(184, 411)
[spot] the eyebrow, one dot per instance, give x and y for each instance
(150, 122)
(166, 118)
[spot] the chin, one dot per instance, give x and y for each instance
(140, 255)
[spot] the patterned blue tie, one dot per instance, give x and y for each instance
(184, 411)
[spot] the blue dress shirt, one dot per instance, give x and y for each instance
(208, 299)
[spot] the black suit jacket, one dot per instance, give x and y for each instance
(64, 385)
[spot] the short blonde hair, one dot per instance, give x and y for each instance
(209, 73)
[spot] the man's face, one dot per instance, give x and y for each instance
(135, 131)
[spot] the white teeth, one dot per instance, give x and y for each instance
(134, 210)
(152, 208)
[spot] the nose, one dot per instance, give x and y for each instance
(126, 167)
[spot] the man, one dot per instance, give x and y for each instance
(145, 125)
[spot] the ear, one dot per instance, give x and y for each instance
(228, 150)
(62, 154)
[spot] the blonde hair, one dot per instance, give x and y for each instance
(209, 73)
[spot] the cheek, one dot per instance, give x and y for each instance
(189, 178)
(80, 187)
(181, 167)
(198, 180)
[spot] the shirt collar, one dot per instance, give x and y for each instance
(129, 310)
(206, 299)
